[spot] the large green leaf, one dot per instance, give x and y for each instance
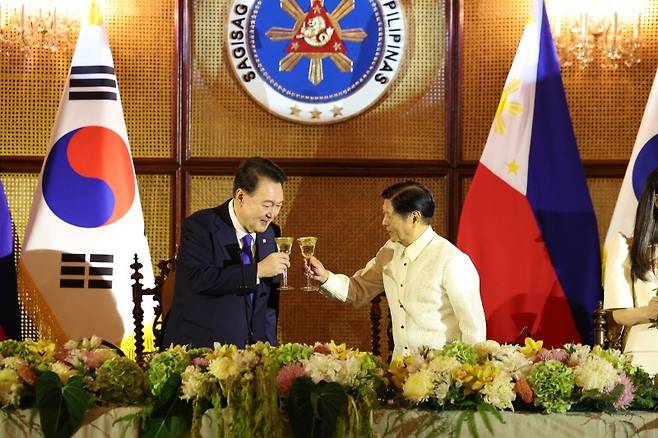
(61, 407)
(314, 409)
(168, 416)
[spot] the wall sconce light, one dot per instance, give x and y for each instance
(29, 25)
(587, 32)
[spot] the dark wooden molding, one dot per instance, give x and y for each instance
(329, 167)
(184, 22)
(453, 102)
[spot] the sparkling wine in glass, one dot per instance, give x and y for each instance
(284, 244)
(307, 245)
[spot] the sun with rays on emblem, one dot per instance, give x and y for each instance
(316, 35)
(507, 106)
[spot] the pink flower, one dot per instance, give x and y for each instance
(91, 360)
(626, 396)
(524, 390)
(555, 354)
(200, 361)
(286, 376)
(26, 373)
(62, 355)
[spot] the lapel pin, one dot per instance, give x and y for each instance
(264, 240)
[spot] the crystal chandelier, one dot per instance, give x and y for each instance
(604, 32)
(32, 25)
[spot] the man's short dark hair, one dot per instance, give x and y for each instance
(409, 196)
(254, 168)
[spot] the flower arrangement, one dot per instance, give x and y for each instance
(509, 377)
(326, 389)
(61, 383)
(344, 382)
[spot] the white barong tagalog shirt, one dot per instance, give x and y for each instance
(432, 288)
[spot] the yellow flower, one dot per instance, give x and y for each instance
(63, 371)
(339, 351)
(419, 386)
(398, 370)
(223, 368)
(531, 347)
(474, 377)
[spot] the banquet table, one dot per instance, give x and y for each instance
(395, 423)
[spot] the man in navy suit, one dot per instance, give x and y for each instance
(227, 267)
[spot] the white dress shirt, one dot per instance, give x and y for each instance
(240, 232)
(432, 288)
(619, 292)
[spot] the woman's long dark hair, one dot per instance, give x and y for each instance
(644, 235)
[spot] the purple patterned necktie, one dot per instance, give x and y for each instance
(247, 257)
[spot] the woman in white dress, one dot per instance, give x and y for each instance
(630, 281)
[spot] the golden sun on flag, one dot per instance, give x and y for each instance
(506, 106)
(316, 35)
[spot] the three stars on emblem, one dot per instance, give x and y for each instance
(316, 35)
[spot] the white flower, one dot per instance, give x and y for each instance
(579, 354)
(246, 359)
(595, 373)
(486, 348)
(349, 371)
(509, 359)
(322, 367)
(195, 384)
(500, 393)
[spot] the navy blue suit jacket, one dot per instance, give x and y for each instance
(210, 300)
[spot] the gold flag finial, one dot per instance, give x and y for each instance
(95, 15)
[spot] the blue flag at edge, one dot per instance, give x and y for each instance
(10, 317)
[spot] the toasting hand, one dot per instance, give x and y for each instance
(273, 264)
(316, 270)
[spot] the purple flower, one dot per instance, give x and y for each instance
(555, 354)
(626, 396)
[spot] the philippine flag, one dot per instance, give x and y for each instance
(644, 159)
(86, 219)
(528, 222)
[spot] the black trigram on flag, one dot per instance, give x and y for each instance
(92, 82)
(75, 272)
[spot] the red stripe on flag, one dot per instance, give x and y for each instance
(518, 283)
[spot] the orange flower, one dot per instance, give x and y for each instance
(524, 390)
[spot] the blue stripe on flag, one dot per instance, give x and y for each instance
(646, 162)
(557, 191)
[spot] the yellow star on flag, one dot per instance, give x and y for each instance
(512, 167)
(507, 106)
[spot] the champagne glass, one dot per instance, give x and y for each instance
(307, 245)
(284, 244)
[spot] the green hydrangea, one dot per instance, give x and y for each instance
(166, 364)
(12, 347)
(120, 381)
(289, 353)
(553, 384)
(464, 353)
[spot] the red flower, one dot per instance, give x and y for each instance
(286, 376)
